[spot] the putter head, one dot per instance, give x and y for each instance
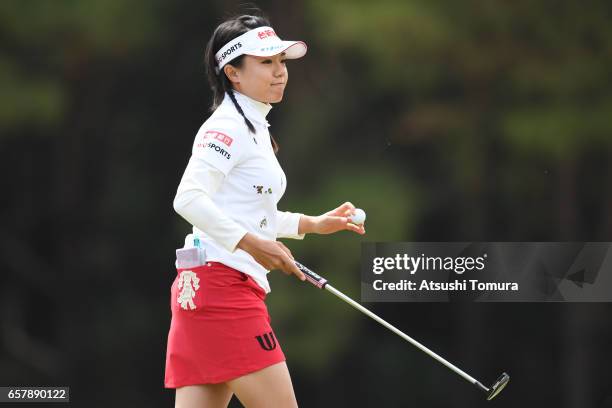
(499, 385)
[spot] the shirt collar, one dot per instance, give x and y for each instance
(253, 109)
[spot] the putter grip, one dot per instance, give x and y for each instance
(312, 277)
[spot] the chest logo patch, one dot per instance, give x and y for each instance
(260, 190)
(263, 223)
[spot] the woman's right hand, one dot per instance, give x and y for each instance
(270, 254)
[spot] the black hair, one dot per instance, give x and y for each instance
(219, 82)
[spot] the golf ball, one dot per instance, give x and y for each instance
(359, 216)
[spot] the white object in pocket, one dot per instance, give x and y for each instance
(190, 257)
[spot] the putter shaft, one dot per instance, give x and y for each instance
(322, 283)
(405, 337)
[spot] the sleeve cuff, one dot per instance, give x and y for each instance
(231, 243)
(288, 225)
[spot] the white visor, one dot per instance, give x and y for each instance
(261, 42)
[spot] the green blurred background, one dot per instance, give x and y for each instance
(444, 120)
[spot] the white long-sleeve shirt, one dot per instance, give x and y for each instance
(232, 185)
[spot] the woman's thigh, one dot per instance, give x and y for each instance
(203, 396)
(269, 387)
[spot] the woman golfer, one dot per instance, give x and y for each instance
(220, 340)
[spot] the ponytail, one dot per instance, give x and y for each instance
(230, 92)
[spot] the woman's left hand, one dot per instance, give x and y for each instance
(337, 220)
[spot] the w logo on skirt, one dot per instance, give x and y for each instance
(267, 341)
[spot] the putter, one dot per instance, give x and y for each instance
(322, 283)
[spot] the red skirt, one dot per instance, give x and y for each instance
(220, 327)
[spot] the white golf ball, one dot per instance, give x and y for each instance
(359, 216)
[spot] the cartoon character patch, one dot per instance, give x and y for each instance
(188, 283)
